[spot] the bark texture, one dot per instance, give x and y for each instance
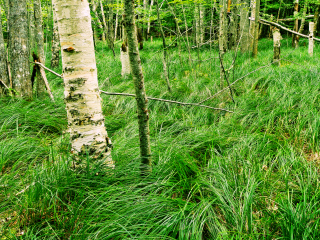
(244, 26)
(19, 48)
(142, 102)
(222, 36)
(32, 30)
(311, 30)
(316, 18)
(256, 31)
(303, 20)
(55, 50)
(125, 63)
(252, 22)
(4, 76)
(234, 23)
(276, 45)
(82, 97)
(40, 44)
(110, 28)
(296, 23)
(199, 18)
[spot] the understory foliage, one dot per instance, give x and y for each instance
(251, 174)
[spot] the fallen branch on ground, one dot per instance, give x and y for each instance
(165, 100)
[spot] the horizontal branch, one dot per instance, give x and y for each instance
(263, 21)
(49, 70)
(165, 100)
(291, 19)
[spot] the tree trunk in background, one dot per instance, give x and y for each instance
(234, 23)
(105, 26)
(252, 22)
(199, 23)
(142, 102)
(32, 29)
(303, 20)
(19, 48)
(82, 97)
(40, 44)
(4, 76)
(222, 36)
(144, 29)
(316, 19)
(187, 34)
(94, 10)
(116, 23)
(149, 23)
(296, 23)
(276, 45)
(244, 26)
(256, 31)
(124, 54)
(165, 72)
(55, 50)
(110, 28)
(311, 43)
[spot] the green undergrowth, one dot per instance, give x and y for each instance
(250, 174)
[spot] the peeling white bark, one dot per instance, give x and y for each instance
(82, 97)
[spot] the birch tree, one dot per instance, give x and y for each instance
(142, 102)
(82, 98)
(19, 48)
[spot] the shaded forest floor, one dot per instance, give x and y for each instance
(251, 174)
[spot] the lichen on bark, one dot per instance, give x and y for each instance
(82, 97)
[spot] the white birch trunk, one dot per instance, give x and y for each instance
(252, 22)
(276, 45)
(124, 58)
(82, 97)
(311, 30)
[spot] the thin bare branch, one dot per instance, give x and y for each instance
(49, 70)
(168, 101)
(263, 21)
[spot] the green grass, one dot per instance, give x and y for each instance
(251, 174)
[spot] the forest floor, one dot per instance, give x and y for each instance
(250, 174)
